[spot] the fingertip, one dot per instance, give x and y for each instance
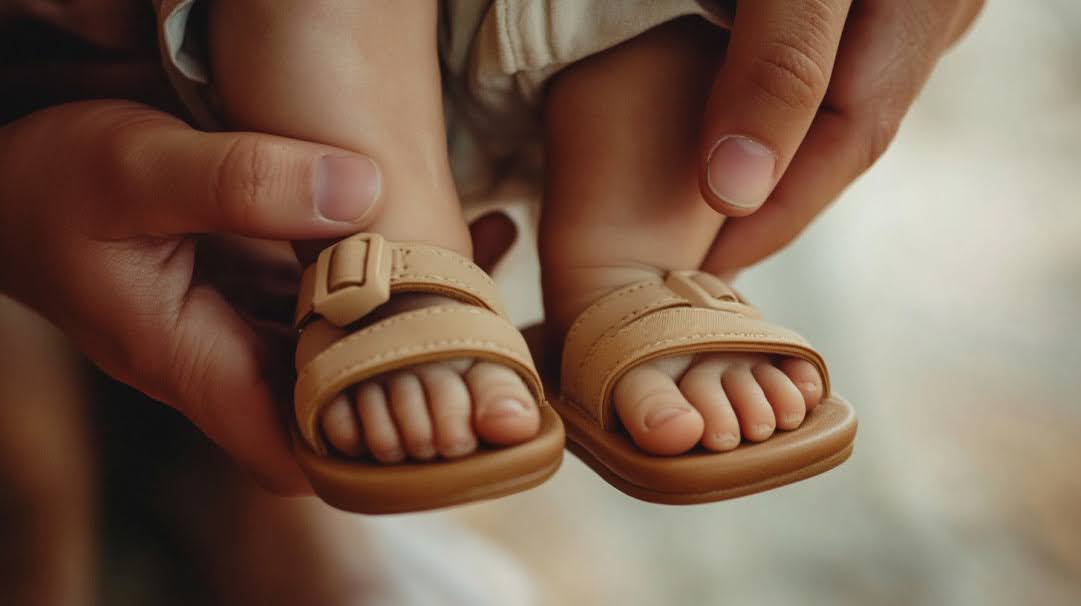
(347, 188)
(271, 187)
(738, 175)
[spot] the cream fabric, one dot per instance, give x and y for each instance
(497, 56)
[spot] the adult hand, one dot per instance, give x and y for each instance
(810, 94)
(99, 202)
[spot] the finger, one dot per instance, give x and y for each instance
(206, 365)
(884, 61)
(255, 185)
(158, 175)
(767, 92)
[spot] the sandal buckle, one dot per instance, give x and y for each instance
(704, 290)
(352, 278)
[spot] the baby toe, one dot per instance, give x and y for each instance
(380, 435)
(806, 378)
(656, 414)
(409, 408)
(449, 407)
(702, 388)
(755, 415)
(786, 400)
(341, 427)
(504, 411)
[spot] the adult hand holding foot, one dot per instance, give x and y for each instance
(101, 204)
(810, 94)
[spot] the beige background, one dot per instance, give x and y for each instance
(945, 290)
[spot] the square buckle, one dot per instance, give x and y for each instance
(707, 291)
(352, 278)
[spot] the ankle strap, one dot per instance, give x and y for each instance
(361, 272)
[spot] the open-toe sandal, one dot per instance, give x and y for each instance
(683, 312)
(350, 280)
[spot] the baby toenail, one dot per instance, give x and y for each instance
(793, 419)
(393, 455)
(763, 429)
(506, 407)
(458, 449)
(726, 440)
(659, 417)
(809, 387)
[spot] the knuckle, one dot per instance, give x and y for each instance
(244, 177)
(790, 73)
(123, 147)
(120, 128)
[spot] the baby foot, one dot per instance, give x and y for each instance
(716, 399)
(434, 409)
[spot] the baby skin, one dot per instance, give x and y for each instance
(621, 202)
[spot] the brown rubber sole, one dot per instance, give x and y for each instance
(823, 442)
(368, 487)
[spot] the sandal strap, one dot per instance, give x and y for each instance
(685, 312)
(436, 333)
(361, 272)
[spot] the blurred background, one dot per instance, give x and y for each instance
(944, 289)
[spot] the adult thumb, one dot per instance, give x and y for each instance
(169, 178)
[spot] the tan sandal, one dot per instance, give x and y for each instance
(349, 280)
(684, 312)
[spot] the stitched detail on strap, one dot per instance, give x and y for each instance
(443, 279)
(711, 338)
(592, 351)
(592, 310)
(460, 260)
(390, 322)
(411, 267)
(657, 321)
(428, 334)
(423, 347)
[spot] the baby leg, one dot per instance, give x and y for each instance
(622, 195)
(363, 75)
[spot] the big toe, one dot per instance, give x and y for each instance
(653, 410)
(504, 412)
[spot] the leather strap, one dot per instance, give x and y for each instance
(360, 273)
(441, 332)
(686, 312)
